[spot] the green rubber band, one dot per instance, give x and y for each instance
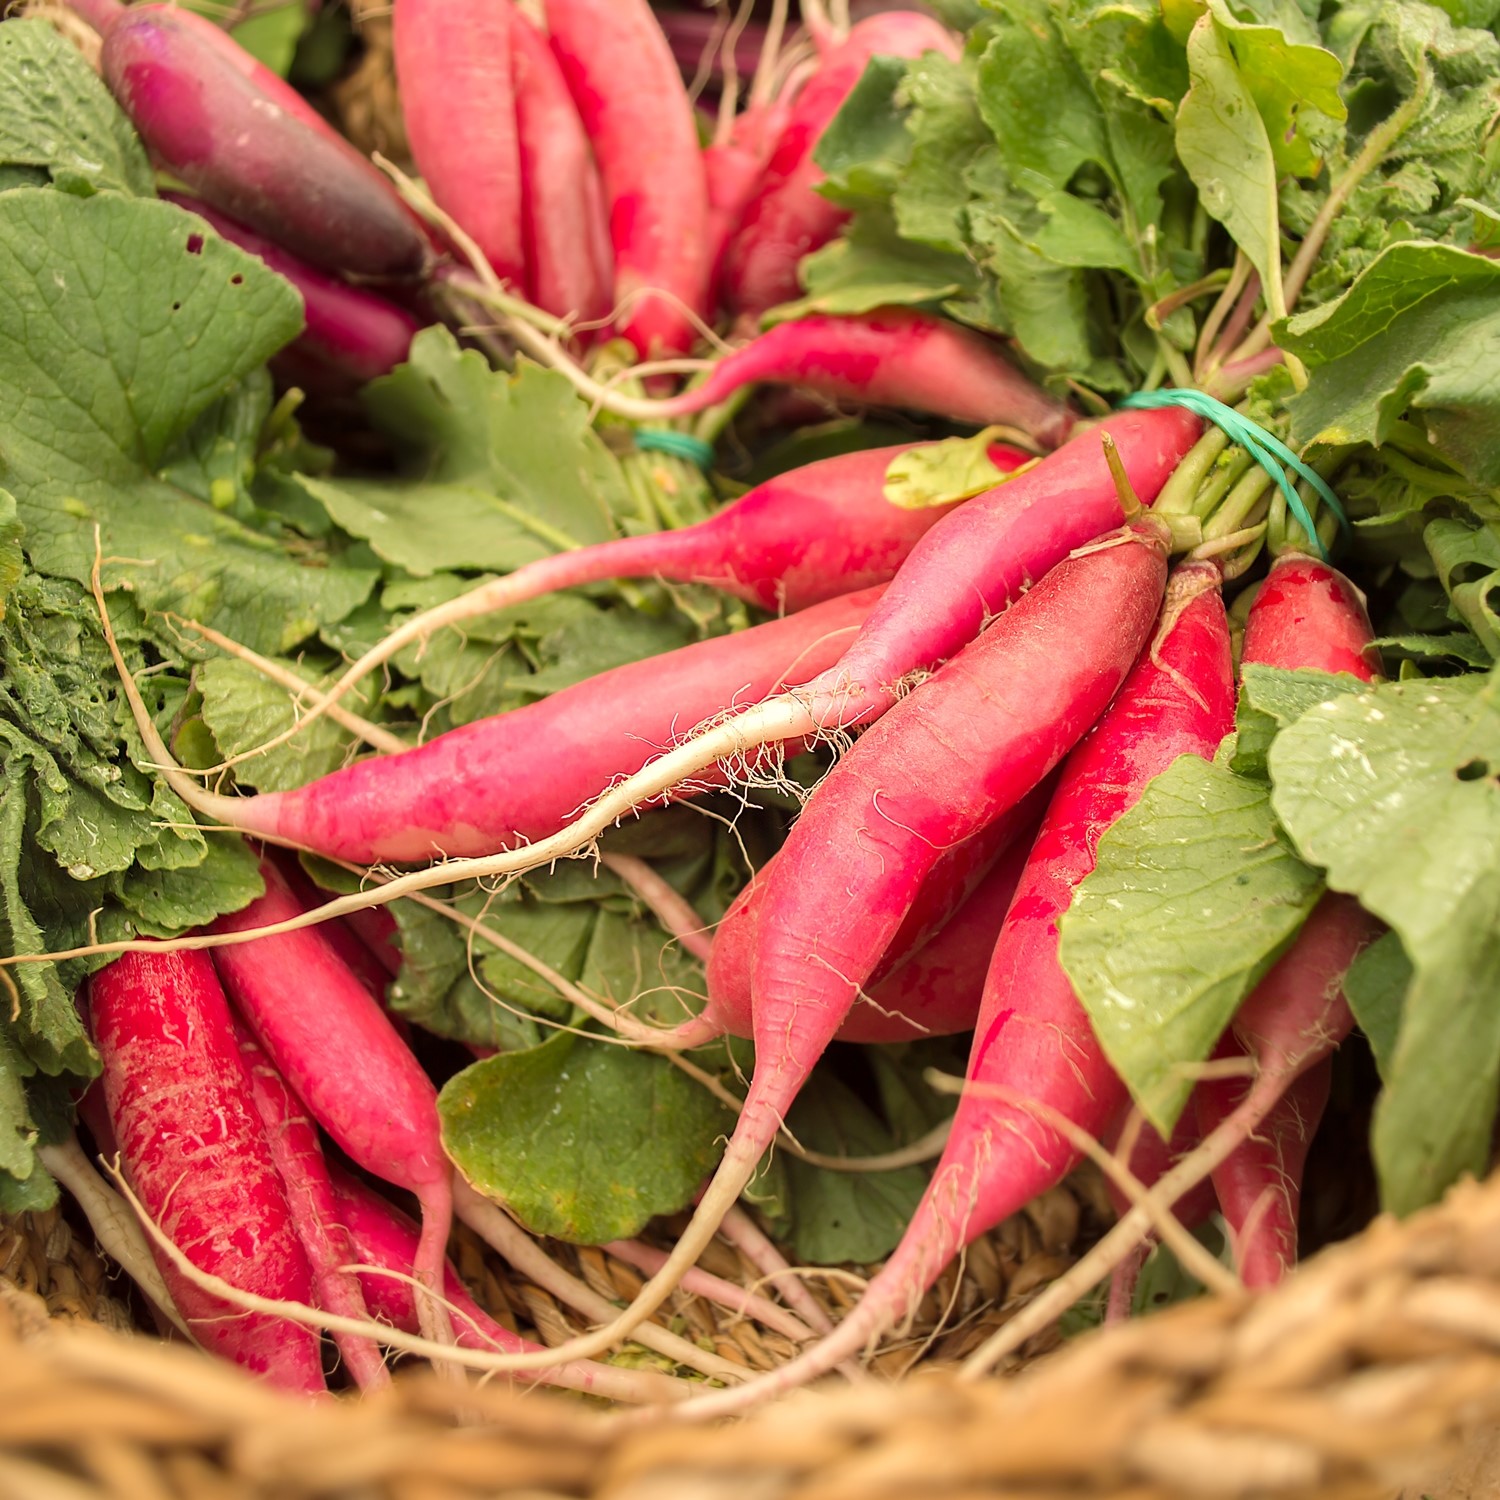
(1264, 447)
(678, 444)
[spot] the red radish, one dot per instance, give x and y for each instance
(958, 752)
(247, 152)
(624, 82)
(334, 1045)
(569, 264)
(891, 357)
(354, 334)
(928, 981)
(1033, 1037)
(1307, 614)
(799, 539)
(458, 99)
(360, 960)
(787, 218)
(298, 1155)
(195, 1153)
(550, 756)
(1260, 1185)
(386, 1238)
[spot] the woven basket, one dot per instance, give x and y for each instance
(1376, 1367)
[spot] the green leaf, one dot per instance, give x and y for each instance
(1222, 141)
(866, 144)
(1375, 988)
(1396, 793)
(580, 1139)
(12, 564)
(500, 469)
(845, 1216)
(59, 117)
(1195, 894)
(1418, 331)
(1270, 699)
(121, 328)
(1467, 559)
(941, 473)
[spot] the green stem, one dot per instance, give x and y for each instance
(1239, 505)
(1163, 309)
(1233, 467)
(1176, 497)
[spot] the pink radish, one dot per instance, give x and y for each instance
(928, 981)
(1033, 1037)
(622, 77)
(787, 218)
(458, 99)
(360, 960)
(892, 357)
(352, 333)
(195, 1153)
(959, 751)
(569, 263)
(385, 1238)
(550, 756)
(344, 1059)
(1308, 614)
(298, 1155)
(248, 153)
(1260, 1185)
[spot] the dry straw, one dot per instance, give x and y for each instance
(1371, 1370)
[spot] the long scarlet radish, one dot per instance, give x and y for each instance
(458, 100)
(622, 77)
(194, 1151)
(569, 262)
(894, 356)
(1033, 1037)
(385, 1238)
(550, 757)
(345, 1061)
(801, 538)
(356, 335)
(787, 217)
(929, 980)
(246, 152)
(298, 1155)
(959, 751)
(1307, 614)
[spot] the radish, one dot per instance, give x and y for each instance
(1308, 614)
(1260, 1185)
(550, 757)
(799, 539)
(787, 217)
(345, 1061)
(624, 82)
(298, 1156)
(961, 750)
(247, 152)
(194, 1151)
(929, 979)
(384, 1237)
(458, 99)
(894, 356)
(1033, 1037)
(351, 333)
(569, 263)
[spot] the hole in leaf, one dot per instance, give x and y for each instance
(195, 244)
(1473, 770)
(236, 280)
(177, 307)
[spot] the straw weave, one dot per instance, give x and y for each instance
(1372, 1368)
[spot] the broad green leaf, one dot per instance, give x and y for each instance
(941, 473)
(1270, 699)
(1194, 895)
(1375, 988)
(1418, 331)
(580, 1139)
(1222, 141)
(12, 564)
(866, 145)
(60, 118)
(1396, 793)
(500, 469)
(943, 119)
(122, 326)
(1467, 559)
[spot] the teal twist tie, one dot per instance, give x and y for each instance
(678, 444)
(1264, 447)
